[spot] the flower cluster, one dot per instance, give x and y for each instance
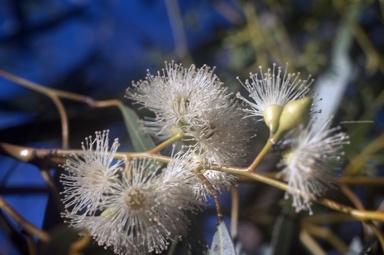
(315, 148)
(89, 177)
(193, 102)
(141, 205)
(134, 210)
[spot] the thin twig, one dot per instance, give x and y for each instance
(52, 188)
(213, 191)
(355, 201)
(77, 247)
(310, 243)
(235, 211)
(166, 143)
(31, 245)
(264, 151)
(358, 161)
(33, 154)
(52, 94)
(361, 180)
(377, 232)
(327, 235)
(176, 22)
(24, 224)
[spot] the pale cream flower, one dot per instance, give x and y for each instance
(310, 161)
(176, 96)
(221, 134)
(89, 177)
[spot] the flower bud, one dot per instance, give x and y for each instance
(287, 156)
(294, 113)
(271, 115)
(107, 213)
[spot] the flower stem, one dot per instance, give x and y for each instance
(53, 94)
(357, 214)
(362, 215)
(166, 143)
(213, 191)
(26, 154)
(377, 232)
(234, 211)
(263, 152)
(78, 246)
(24, 224)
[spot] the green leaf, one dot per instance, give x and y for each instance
(222, 243)
(285, 231)
(140, 140)
(195, 242)
(173, 247)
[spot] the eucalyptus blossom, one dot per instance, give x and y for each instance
(271, 92)
(310, 162)
(88, 177)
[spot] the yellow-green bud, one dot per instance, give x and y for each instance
(271, 115)
(107, 213)
(177, 129)
(287, 156)
(294, 113)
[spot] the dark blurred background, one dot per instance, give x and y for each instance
(96, 48)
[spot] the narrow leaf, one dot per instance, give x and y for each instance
(140, 140)
(285, 232)
(222, 243)
(195, 242)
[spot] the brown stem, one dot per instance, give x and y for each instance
(327, 235)
(377, 232)
(40, 88)
(24, 224)
(52, 188)
(33, 155)
(234, 211)
(77, 247)
(166, 143)
(310, 243)
(361, 180)
(29, 154)
(64, 120)
(31, 245)
(358, 161)
(51, 93)
(213, 192)
(357, 214)
(264, 151)
(355, 201)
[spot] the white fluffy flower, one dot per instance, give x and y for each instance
(221, 133)
(175, 96)
(311, 160)
(87, 178)
(145, 210)
(274, 88)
